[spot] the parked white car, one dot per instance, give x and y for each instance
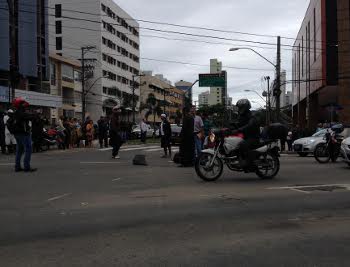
(345, 150)
(307, 145)
(136, 132)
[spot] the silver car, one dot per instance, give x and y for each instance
(307, 145)
(345, 150)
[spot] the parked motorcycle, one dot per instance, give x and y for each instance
(210, 164)
(330, 149)
(47, 140)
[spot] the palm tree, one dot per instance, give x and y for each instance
(152, 106)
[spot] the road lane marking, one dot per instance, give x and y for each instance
(137, 148)
(308, 186)
(114, 180)
(153, 150)
(97, 162)
(300, 191)
(58, 197)
(7, 164)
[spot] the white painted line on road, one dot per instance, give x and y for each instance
(300, 191)
(7, 164)
(154, 149)
(308, 186)
(96, 162)
(58, 197)
(137, 148)
(114, 180)
(105, 149)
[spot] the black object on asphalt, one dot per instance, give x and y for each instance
(140, 160)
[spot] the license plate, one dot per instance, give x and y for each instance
(298, 147)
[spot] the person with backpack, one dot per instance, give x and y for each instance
(20, 127)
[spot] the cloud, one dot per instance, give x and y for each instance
(269, 17)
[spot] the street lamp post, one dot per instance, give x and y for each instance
(277, 68)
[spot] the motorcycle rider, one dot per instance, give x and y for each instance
(249, 126)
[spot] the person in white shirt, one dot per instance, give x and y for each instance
(198, 132)
(143, 129)
(10, 139)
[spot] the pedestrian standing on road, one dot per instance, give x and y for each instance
(165, 133)
(103, 132)
(290, 141)
(143, 129)
(187, 145)
(198, 131)
(2, 133)
(115, 128)
(89, 133)
(22, 131)
(207, 124)
(37, 133)
(10, 139)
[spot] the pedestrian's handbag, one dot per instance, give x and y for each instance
(200, 135)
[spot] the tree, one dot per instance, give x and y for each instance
(152, 106)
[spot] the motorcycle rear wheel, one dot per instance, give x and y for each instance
(322, 154)
(264, 173)
(204, 171)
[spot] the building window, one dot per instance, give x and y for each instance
(58, 27)
(58, 11)
(315, 37)
(67, 73)
(104, 90)
(58, 43)
(53, 73)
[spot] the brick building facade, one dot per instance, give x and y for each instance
(321, 64)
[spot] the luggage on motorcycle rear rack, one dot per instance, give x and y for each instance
(276, 131)
(338, 128)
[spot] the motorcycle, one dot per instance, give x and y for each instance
(47, 140)
(331, 148)
(210, 164)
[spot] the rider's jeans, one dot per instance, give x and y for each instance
(198, 145)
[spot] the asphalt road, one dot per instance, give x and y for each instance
(84, 209)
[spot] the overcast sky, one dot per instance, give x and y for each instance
(268, 17)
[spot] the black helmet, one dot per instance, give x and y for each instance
(243, 106)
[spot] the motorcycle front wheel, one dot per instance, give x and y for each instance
(205, 171)
(322, 154)
(270, 167)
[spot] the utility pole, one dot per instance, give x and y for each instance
(13, 58)
(277, 92)
(268, 103)
(83, 95)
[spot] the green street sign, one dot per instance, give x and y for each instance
(212, 80)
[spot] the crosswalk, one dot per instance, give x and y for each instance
(140, 148)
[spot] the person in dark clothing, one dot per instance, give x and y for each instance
(102, 124)
(187, 145)
(37, 133)
(114, 133)
(22, 132)
(249, 126)
(2, 133)
(165, 132)
(68, 133)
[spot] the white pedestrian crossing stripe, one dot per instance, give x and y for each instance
(143, 148)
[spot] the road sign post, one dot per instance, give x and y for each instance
(212, 80)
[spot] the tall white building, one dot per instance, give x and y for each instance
(203, 99)
(216, 93)
(115, 58)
